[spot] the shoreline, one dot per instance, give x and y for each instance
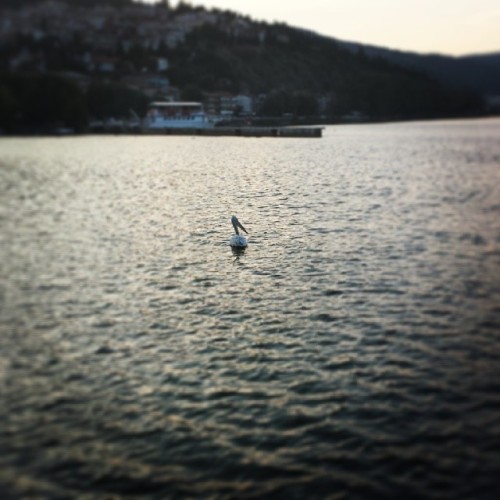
(313, 130)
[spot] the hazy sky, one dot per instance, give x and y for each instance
(454, 27)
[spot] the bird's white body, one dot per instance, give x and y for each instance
(238, 241)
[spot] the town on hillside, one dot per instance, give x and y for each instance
(103, 43)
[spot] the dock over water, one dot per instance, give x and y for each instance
(306, 132)
(226, 131)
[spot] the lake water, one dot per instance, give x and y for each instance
(352, 350)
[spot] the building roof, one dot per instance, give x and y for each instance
(169, 104)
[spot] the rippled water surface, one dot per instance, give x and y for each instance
(353, 349)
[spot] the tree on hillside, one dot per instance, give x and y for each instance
(42, 101)
(9, 107)
(114, 100)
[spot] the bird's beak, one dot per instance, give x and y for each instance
(241, 226)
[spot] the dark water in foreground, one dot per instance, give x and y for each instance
(353, 350)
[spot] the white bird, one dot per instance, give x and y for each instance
(237, 240)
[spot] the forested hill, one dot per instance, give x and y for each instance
(479, 73)
(198, 52)
(282, 62)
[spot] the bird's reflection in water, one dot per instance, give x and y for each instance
(238, 252)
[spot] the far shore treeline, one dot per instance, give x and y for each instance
(47, 102)
(289, 73)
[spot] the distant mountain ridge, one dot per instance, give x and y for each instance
(477, 72)
(480, 72)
